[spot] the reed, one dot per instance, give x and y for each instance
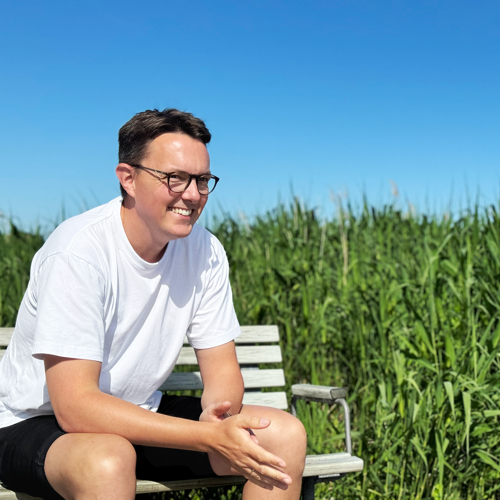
(401, 308)
(17, 249)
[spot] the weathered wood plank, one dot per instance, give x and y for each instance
(252, 379)
(258, 334)
(144, 486)
(5, 335)
(308, 391)
(11, 495)
(252, 334)
(247, 355)
(272, 399)
(335, 463)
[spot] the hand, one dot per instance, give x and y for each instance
(217, 412)
(236, 448)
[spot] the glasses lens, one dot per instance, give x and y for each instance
(178, 182)
(206, 184)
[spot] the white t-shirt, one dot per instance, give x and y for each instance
(90, 296)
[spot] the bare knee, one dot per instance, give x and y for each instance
(285, 437)
(112, 458)
(96, 465)
(291, 433)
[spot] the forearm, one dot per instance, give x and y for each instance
(221, 376)
(225, 390)
(96, 412)
(80, 406)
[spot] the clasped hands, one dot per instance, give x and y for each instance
(237, 446)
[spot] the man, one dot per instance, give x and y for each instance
(111, 296)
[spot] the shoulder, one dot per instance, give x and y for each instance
(84, 236)
(197, 256)
(205, 244)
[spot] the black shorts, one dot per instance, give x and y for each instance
(24, 446)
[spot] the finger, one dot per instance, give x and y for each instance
(253, 436)
(256, 481)
(253, 477)
(261, 475)
(260, 423)
(264, 458)
(253, 422)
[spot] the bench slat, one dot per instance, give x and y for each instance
(273, 399)
(334, 463)
(258, 334)
(144, 486)
(252, 379)
(247, 355)
(5, 335)
(11, 495)
(249, 335)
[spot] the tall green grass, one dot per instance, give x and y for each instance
(402, 309)
(17, 249)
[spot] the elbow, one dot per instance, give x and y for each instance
(69, 424)
(73, 417)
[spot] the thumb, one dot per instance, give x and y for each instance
(253, 422)
(219, 409)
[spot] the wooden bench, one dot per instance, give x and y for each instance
(256, 346)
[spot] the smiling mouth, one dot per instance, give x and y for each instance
(181, 211)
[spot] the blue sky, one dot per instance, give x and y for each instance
(316, 96)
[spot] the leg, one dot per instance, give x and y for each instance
(97, 466)
(286, 438)
(308, 488)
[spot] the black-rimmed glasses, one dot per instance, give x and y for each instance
(178, 182)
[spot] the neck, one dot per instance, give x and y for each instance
(139, 235)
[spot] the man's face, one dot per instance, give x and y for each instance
(168, 215)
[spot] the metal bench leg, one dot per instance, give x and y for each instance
(308, 488)
(293, 406)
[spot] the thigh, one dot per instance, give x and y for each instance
(23, 448)
(164, 464)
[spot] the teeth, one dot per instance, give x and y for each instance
(181, 211)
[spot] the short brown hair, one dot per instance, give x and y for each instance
(136, 135)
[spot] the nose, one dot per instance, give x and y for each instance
(191, 192)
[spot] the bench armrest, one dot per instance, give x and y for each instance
(319, 393)
(324, 394)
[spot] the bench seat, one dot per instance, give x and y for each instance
(316, 465)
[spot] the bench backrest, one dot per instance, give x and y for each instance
(256, 346)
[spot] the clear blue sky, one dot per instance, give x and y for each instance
(325, 96)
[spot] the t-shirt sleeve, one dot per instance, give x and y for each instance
(69, 318)
(215, 322)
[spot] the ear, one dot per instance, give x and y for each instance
(126, 175)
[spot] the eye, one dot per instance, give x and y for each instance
(179, 176)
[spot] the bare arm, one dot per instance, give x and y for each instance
(221, 376)
(80, 406)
